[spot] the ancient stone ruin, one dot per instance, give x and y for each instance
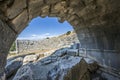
(96, 23)
(29, 46)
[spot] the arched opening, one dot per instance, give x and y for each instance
(95, 43)
(44, 33)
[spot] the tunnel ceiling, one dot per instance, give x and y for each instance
(95, 21)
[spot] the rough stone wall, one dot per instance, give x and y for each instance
(46, 44)
(96, 22)
(4, 45)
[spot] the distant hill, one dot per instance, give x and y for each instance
(61, 41)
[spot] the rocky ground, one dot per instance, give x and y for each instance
(63, 64)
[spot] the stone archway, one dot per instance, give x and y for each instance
(96, 23)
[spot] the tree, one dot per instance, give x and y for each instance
(47, 38)
(68, 33)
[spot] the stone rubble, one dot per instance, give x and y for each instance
(63, 64)
(58, 66)
(96, 23)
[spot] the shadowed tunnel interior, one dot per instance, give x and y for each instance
(96, 23)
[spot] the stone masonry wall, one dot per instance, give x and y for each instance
(96, 22)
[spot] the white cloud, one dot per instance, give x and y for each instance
(33, 35)
(36, 37)
(47, 34)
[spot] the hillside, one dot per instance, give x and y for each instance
(65, 40)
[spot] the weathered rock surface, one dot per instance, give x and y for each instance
(24, 73)
(62, 66)
(101, 75)
(95, 21)
(12, 67)
(61, 52)
(30, 58)
(72, 52)
(78, 72)
(58, 66)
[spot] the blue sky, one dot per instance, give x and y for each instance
(40, 28)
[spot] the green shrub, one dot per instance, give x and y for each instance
(68, 33)
(13, 47)
(47, 38)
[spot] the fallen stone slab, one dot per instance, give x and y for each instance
(60, 53)
(30, 58)
(72, 52)
(12, 67)
(66, 67)
(24, 73)
(72, 68)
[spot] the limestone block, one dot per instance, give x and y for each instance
(24, 73)
(46, 60)
(35, 8)
(5, 33)
(78, 72)
(17, 7)
(20, 22)
(51, 1)
(72, 52)
(59, 7)
(60, 53)
(30, 58)
(45, 11)
(78, 4)
(72, 17)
